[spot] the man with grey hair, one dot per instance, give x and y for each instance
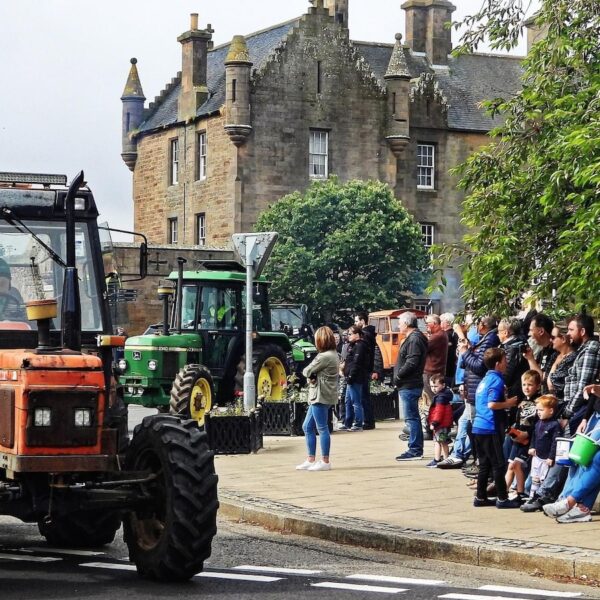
(408, 379)
(446, 323)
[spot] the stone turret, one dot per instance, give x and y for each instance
(133, 110)
(339, 10)
(397, 80)
(237, 84)
(425, 28)
(195, 44)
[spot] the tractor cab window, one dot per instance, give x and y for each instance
(218, 308)
(189, 301)
(32, 268)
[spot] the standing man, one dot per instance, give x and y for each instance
(446, 322)
(361, 319)
(408, 378)
(437, 352)
(540, 331)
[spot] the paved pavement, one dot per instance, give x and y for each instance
(370, 499)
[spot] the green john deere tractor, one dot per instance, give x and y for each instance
(293, 320)
(196, 358)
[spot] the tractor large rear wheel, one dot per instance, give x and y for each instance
(192, 393)
(81, 529)
(270, 373)
(170, 536)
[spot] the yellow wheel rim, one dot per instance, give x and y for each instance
(271, 380)
(200, 400)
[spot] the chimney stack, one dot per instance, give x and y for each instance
(339, 10)
(195, 44)
(425, 28)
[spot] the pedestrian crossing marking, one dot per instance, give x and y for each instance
(358, 588)
(531, 592)
(479, 597)
(238, 576)
(115, 566)
(282, 570)
(63, 551)
(398, 580)
(28, 558)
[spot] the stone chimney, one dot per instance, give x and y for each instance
(535, 32)
(339, 10)
(425, 28)
(195, 44)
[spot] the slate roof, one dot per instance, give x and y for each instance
(468, 80)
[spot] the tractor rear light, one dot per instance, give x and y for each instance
(152, 365)
(42, 417)
(83, 417)
(122, 364)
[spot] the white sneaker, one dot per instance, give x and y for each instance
(305, 466)
(575, 515)
(557, 509)
(320, 466)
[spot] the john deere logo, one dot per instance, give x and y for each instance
(137, 355)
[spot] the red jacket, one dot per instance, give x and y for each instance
(440, 411)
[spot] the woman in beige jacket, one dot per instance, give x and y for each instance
(322, 376)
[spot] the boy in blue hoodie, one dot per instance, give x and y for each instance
(488, 430)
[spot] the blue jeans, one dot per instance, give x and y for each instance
(584, 482)
(462, 442)
(410, 407)
(354, 403)
(316, 419)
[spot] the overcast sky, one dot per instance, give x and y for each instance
(65, 62)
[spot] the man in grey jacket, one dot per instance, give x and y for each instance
(408, 379)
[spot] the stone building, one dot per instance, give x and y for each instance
(247, 122)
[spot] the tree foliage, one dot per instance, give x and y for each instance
(532, 202)
(342, 247)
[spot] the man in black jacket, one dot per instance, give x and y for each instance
(408, 378)
(369, 337)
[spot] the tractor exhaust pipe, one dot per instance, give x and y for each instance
(71, 301)
(179, 299)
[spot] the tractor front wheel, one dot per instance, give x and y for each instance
(192, 393)
(169, 536)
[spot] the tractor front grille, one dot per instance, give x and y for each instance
(61, 431)
(170, 364)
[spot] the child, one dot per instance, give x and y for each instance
(543, 445)
(520, 433)
(439, 418)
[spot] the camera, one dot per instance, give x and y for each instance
(523, 347)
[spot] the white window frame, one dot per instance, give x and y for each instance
(202, 155)
(425, 166)
(201, 229)
(174, 161)
(173, 230)
(428, 234)
(318, 154)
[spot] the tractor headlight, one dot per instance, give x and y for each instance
(152, 365)
(42, 417)
(130, 390)
(140, 391)
(83, 417)
(122, 364)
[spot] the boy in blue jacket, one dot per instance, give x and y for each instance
(488, 430)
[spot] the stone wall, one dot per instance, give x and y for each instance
(145, 309)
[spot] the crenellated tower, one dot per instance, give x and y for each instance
(132, 115)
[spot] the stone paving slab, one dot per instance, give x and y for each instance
(370, 499)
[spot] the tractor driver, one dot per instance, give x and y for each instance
(11, 302)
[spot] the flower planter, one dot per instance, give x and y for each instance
(234, 434)
(385, 405)
(299, 414)
(278, 418)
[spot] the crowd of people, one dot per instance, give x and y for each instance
(521, 385)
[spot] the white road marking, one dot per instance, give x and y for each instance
(358, 588)
(62, 551)
(103, 565)
(533, 592)
(282, 570)
(28, 558)
(479, 597)
(238, 576)
(399, 580)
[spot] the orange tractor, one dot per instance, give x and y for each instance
(66, 460)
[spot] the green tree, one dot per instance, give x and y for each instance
(342, 247)
(532, 202)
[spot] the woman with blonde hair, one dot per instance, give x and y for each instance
(322, 376)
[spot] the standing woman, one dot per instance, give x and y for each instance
(322, 376)
(564, 361)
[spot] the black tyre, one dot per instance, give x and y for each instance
(192, 393)
(82, 529)
(271, 372)
(170, 536)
